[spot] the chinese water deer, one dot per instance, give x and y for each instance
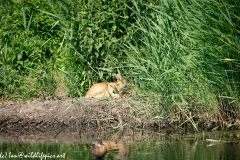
(105, 89)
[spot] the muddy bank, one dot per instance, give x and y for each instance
(86, 116)
(45, 116)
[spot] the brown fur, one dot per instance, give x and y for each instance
(105, 89)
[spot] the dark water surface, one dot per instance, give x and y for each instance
(210, 146)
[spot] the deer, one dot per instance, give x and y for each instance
(108, 89)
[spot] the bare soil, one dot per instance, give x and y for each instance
(48, 119)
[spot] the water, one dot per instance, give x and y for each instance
(213, 146)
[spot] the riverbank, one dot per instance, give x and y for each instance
(83, 115)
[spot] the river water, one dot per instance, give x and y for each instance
(205, 146)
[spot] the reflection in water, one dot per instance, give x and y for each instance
(117, 147)
(202, 147)
(98, 149)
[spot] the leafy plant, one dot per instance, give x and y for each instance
(29, 41)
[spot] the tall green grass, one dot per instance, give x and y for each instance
(186, 54)
(179, 54)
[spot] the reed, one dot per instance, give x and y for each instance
(179, 54)
(186, 54)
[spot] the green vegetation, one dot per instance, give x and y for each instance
(180, 54)
(188, 55)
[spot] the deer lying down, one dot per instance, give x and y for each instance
(105, 89)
